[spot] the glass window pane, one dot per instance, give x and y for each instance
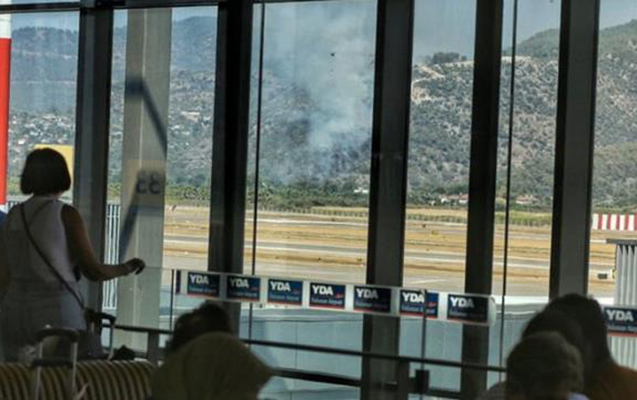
(315, 136)
(438, 184)
(43, 51)
(310, 151)
(611, 278)
(527, 129)
(439, 145)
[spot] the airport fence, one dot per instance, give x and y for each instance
(521, 219)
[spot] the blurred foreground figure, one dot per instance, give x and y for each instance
(544, 366)
(214, 366)
(546, 321)
(208, 318)
(207, 362)
(604, 378)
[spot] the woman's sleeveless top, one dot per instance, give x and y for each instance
(44, 217)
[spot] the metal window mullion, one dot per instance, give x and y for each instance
(92, 128)
(230, 141)
(230, 136)
(574, 148)
(388, 186)
(69, 6)
(39, 8)
(482, 182)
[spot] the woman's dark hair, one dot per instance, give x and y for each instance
(208, 318)
(554, 320)
(45, 172)
(544, 366)
(587, 313)
(557, 321)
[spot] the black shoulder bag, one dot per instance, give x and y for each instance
(90, 343)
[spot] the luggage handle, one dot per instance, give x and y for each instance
(96, 318)
(106, 317)
(70, 334)
(93, 317)
(111, 326)
(70, 363)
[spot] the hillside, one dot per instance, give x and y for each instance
(317, 119)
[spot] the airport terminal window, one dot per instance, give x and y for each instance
(313, 164)
(615, 168)
(439, 163)
(440, 137)
(438, 175)
(43, 51)
(530, 126)
(315, 136)
(161, 138)
(309, 162)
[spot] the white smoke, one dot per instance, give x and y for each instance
(326, 49)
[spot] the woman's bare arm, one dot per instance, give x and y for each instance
(82, 251)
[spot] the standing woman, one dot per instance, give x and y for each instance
(44, 246)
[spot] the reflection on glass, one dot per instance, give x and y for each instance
(160, 158)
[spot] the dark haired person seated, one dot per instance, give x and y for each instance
(206, 361)
(545, 321)
(544, 366)
(207, 318)
(605, 379)
(41, 242)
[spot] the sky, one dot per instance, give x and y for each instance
(440, 25)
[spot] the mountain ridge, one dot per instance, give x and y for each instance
(301, 149)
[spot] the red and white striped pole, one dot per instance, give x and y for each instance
(5, 86)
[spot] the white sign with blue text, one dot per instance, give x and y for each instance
(621, 321)
(368, 299)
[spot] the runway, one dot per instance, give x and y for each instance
(333, 248)
(434, 278)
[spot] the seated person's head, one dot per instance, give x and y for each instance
(556, 321)
(588, 314)
(213, 366)
(208, 318)
(544, 366)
